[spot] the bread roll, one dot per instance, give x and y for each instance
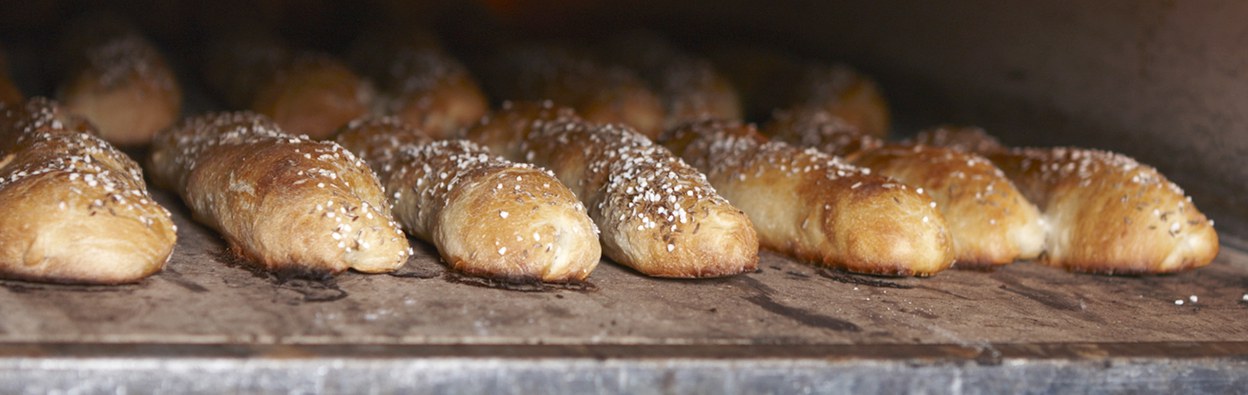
(284, 203)
(770, 80)
(120, 82)
(966, 139)
(690, 88)
(487, 216)
(76, 210)
(600, 93)
(815, 207)
(990, 220)
(308, 93)
(422, 85)
(656, 214)
(1106, 213)
(313, 94)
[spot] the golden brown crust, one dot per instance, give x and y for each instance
(656, 214)
(313, 94)
(1108, 213)
(1105, 213)
(286, 203)
(487, 216)
(422, 85)
(990, 220)
(76, 209)
(690, 88)
(599, 93)
(122, 84)
(814, 206)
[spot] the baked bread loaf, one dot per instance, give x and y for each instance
(313, 94)
(487, 216)
(1106, 213)
(991, 222)
(304, 92)
(815, 207)
(656, 214)
(120, 82)
(690, 88)
(599, 93)
(836, 88)
(76, 210)
(422, 85)
(284, 203)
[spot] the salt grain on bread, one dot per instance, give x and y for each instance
(656, 214)
(283, 202)
(598, 92)
(990, 220)
(422, 85)
(487, 216)
(76, 210)
(815, 207)
(1106, 213)
(119, 81)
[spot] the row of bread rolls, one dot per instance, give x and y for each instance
(802, 202)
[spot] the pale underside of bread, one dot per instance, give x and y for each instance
(655, 213)
(76, 210)
(817, 208)
(125, 87)
(284, 203)
(487, 216)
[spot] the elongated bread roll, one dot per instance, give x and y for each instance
(690, 88)
(422, 85)
(656, 214)
(76, 210)
(1106, 213)
(121, 83)
(598, 92)
(487, 216)
(313, 94)
(285, 203)
(305, 92)
(815, 207)
(770, 80)
(990, 220)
